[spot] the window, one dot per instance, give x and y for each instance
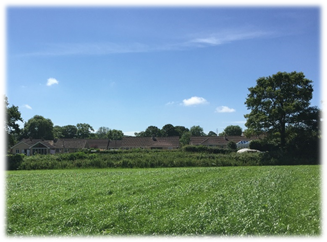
(17, 151)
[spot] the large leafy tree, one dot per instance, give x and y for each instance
(233, 130)
(152, 131)
(181, 130)
(102, 132)
(114, 134)
(197, 131)
(69, 131)
(169, 130)
(12, 127)
(278, 102)
(83, 130)
(38, 127)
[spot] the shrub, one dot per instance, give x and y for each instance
(14, 161)
(232, 145)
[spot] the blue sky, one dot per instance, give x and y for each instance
(132, 67)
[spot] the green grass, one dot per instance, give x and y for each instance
(280, 200)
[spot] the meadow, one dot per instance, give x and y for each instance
(246, 200)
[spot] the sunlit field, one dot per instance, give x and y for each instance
(269, 200)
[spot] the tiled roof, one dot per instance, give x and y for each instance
(149, 142)
(115, 144)
(215, 140)
(69, 143)
(97, 143)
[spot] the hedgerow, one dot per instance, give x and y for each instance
(190, 156)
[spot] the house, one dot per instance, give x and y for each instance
(28, 147)
(220, 141)
(38, 146)
(44, 147)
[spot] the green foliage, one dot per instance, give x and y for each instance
(211, 133)
(185, 139)
(233, 130)
(169, 130)
(197, 131)
(83, 130)
(12, 127)
(202, 148)
(114, 134)
(277, 102)
(14, 161)
(69, 131)
(38, 127)
(232, 145)
(242, 201)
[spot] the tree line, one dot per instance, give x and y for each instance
(39, 127)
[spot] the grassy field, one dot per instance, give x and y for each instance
(271, 200)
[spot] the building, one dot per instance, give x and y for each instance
(220, 141)
(38, 146)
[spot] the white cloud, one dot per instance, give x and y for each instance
(225, 109)
(27, 106)
(52, 81)
(194, 101)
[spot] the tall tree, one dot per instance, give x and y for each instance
(69, 131)
(152, 131)
(185, 139)
(197, 131)
(57, 132)
(277, 102)
(180, 130)
(169, 130)
(38, 127)
(12, 127)
(233, 130)
(83, 130)
(102, 132)
(114, 134)
(211, 133)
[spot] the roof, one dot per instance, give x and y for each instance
(150, 142)
(126, 142)
(115, 144)
(97, 143)
(70, 143)
(215, 140)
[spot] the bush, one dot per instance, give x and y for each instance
(14, 161)
(232, 145)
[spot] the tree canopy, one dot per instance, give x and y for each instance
(278, 102)
(12, 127)
(38, 127)
(83, 130)
(233, 130)
(197, 131)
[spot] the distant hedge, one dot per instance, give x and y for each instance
(206, 149)
(190, 156)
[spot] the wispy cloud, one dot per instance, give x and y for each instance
(27, 106)
(52, 81)
(170, 103)
(224, 109)
(224, 37)
(194, 101)
(107, 48)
